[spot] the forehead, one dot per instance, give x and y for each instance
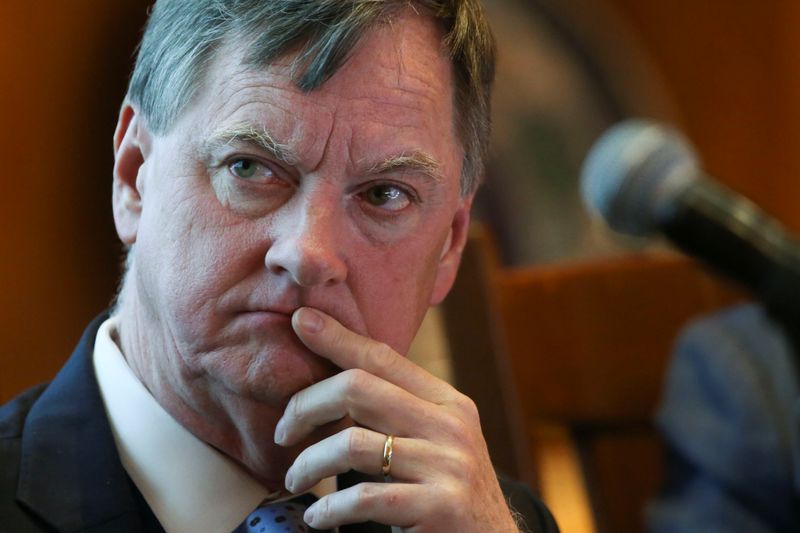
(397, 82)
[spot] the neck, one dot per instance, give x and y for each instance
(239, 427)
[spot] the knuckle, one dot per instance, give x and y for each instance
(380, 356)
(300, 406)
(324, 508)
(356, 381)
(458, 463)
(455, 495)
(355, 440)
(300, 466)
(366, 495)
(370, 496)
(338, 337)
(456, 427)
(393, 500)
(293, 408)
(467, 407)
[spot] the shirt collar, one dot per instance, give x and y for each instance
(190, 486)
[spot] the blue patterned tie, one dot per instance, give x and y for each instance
(280, 517)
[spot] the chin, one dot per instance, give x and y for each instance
(258, 356)
(270, 374)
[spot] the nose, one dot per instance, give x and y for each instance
(305, 247)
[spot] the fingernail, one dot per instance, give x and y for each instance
(280, 432)
(310, 320)
(309, 515)
(289, 481)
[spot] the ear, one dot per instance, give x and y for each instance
(451, 252)
(131, 146)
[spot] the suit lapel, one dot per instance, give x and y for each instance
(70, 472)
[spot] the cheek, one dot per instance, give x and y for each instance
(395, 295)
(189, 245)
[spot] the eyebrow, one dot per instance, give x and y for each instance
(258, 137)
(414, 162)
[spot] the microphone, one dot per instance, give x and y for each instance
(644, 178)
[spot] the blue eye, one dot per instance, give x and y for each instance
(390, 197)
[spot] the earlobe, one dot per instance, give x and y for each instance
(451, 253)
(130, 150)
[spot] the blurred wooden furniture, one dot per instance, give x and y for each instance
(571, 357)
(63, 79)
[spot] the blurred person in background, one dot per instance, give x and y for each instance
(730, 416)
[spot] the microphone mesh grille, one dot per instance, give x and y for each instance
(634, 173)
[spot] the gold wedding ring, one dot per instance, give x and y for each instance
(387, 456)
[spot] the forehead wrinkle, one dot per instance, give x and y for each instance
(412, 103)
(256, 136)
(415, 162)
(418, 81)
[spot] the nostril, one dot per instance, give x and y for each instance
(275, 268)
(307, 266)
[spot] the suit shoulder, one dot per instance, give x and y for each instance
(12, 420)
(14, 413)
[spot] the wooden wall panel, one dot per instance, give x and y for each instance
(63, 70)
(732, 68)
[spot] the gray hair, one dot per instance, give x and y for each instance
(182, 36)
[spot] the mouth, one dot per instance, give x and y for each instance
(267, 317)
(272, 332)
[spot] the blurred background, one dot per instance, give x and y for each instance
(724, 71)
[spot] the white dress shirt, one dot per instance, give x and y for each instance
(190, 486)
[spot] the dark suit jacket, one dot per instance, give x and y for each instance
(60, 471)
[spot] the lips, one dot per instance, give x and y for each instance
(272, 310)
(267, 316)
(276, 309)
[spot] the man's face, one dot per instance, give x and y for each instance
(262, 199)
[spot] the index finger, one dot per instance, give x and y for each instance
(326, 337)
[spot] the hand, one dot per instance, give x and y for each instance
(442, 477)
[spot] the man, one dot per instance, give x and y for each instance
(293, 180)
(730, 416)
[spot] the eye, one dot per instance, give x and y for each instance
(387, 196)
(248, 169)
